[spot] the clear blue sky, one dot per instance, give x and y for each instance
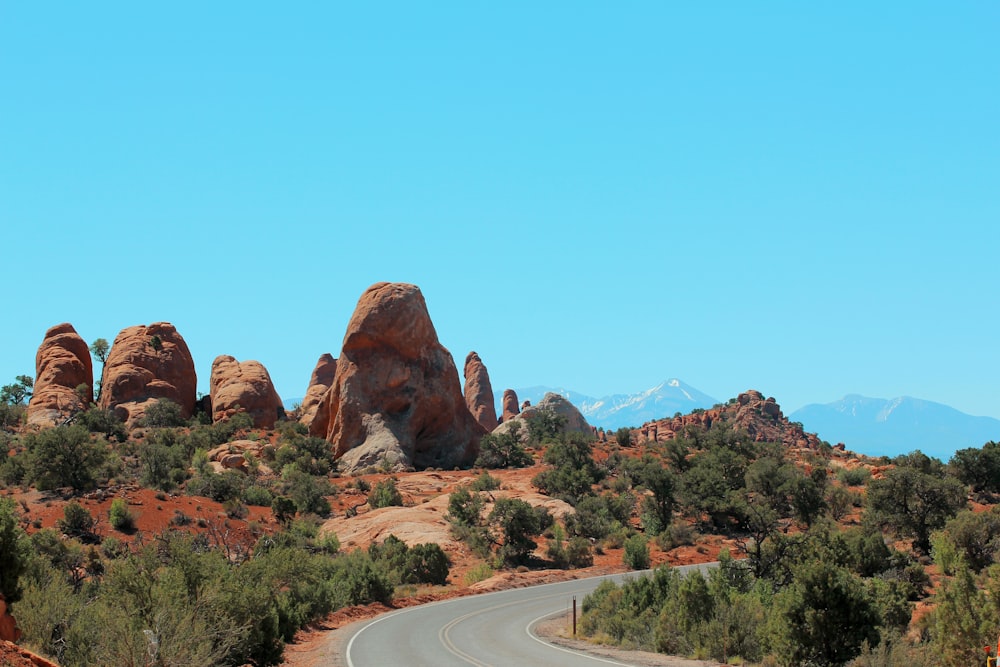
(801, 198)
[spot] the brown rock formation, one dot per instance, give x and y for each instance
(510, 409)
(146, 364)
(750, 412)
(319, 383)
(243, 387)
(479, 392)
(396, 400)
(62, 364)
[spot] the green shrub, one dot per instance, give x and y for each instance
(220, 487)
(164, 413)
(64, 456)
(574, 472)
(15, 550)
(120, 517)
(854, 476)
(485, 482)
(104, 422)
(307, 492)
(77, 520)
(477, 573)
(636, 555)
(11, 415)
(258, 496)
(385, 494)
(503, 450)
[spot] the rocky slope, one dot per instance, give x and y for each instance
(750, 411)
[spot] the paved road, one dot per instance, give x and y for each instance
(492, 629)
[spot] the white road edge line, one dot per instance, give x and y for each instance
(527, 630)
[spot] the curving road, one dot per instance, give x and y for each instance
(491, 629)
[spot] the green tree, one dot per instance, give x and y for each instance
(963, 621)
(513, 524)
(465, 507)
(544, 425)
(164, 413)
(100, 348)
(15, 550)
(64, 456)
(972, 537)
(17, 392)
(657, 508)
(574, 472)
(503, 450)
(623, 437)
(914, 499)
(979, 468)
(823, 618)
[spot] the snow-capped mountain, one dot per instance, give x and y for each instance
(611, 412)
(879, 426)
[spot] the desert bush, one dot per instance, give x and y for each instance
(220, 487)
(503, 450)
(385, 494)
(636, 555)
(306, 491)
(104, 422)
(120, 516)
(420, 564)
(15, 550)
(854, 476)
(513, 523)
(478, 572)
(164, 413)
(970, 537)
(573, 472)
(258, 496)
(77, 521)
(63, 456)
(163, 458)
(485, 482)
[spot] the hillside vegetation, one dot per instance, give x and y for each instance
(147, 542)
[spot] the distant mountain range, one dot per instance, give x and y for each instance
(612, 412)
(879, 426)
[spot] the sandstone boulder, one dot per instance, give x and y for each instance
(61, 365)
(243, 387)
(396, 400)
(510, 409)
(479, 392)
(552, 402)
(319, 383)
(147, 364)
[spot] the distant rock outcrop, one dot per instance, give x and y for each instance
(510, 409)
(396, 400)
(61, 365)
(750, 411)
(244, 387)
(479, 392)
(551, 402)
(319, 383)
(147, 364)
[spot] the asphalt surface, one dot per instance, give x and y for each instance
(493, 629)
